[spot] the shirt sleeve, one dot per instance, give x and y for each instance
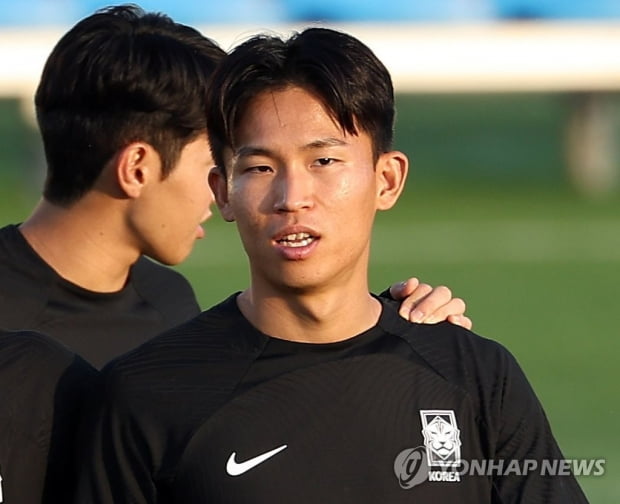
(529, 465)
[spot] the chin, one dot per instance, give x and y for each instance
(296, 277)
(297, 285)
(171, 258)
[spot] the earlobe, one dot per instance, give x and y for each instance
(219, 187)
(391, 173)
(136, 164)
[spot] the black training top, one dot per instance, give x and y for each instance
(215, 411)
(42, 385)
(97, 326)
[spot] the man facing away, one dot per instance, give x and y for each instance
(305, 387)
(120, 107)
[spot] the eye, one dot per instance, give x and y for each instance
(259, 169)
(326, 161)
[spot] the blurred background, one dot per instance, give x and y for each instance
(510, 113)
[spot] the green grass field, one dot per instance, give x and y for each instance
(488, 213)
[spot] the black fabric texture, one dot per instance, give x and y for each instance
(176, 411)
(42, 386)
(97, 326)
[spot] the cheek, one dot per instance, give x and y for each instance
(249, 200)
(355, 194)
(196, 195)
(247, 216)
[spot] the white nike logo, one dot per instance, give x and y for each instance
(235, 469)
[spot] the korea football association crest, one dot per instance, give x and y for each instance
(442, 437)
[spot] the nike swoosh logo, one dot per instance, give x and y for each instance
(236, 468)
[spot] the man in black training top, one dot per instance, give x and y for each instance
(42, 387)
(121, 110)
(305, 387)
(120, 107)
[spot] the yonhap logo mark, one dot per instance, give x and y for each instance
(411, 467)
(441, 437)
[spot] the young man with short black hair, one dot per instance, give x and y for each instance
(120, 107)
(305, 387)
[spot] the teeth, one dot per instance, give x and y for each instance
(301, 243)
(295, 236)
(296, 240)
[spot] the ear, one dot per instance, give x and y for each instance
(219, 186)
(391, 174)
(136, 166)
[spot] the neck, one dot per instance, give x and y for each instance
(83, 243)
(326, 317)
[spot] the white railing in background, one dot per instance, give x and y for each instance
(574, 57)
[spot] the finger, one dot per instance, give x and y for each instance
(410, 303)
(455, 307)
(401, 290)
(461, 320)
(431, 303)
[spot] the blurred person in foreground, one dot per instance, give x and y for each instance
(305, 387)
(42, 386)
(121, 110)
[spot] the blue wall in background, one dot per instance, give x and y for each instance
(67, 12)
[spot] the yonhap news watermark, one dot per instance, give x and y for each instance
(440, 459)
(412, 467)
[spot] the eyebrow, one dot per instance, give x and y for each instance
(251, 150)
(325, 142)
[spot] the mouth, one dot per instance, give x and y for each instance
(296, 240)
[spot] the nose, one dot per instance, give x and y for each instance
(293, 191)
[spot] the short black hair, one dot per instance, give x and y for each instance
(118, 76)
(337, 68)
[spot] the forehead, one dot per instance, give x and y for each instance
(286, 108)
(291, 117)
